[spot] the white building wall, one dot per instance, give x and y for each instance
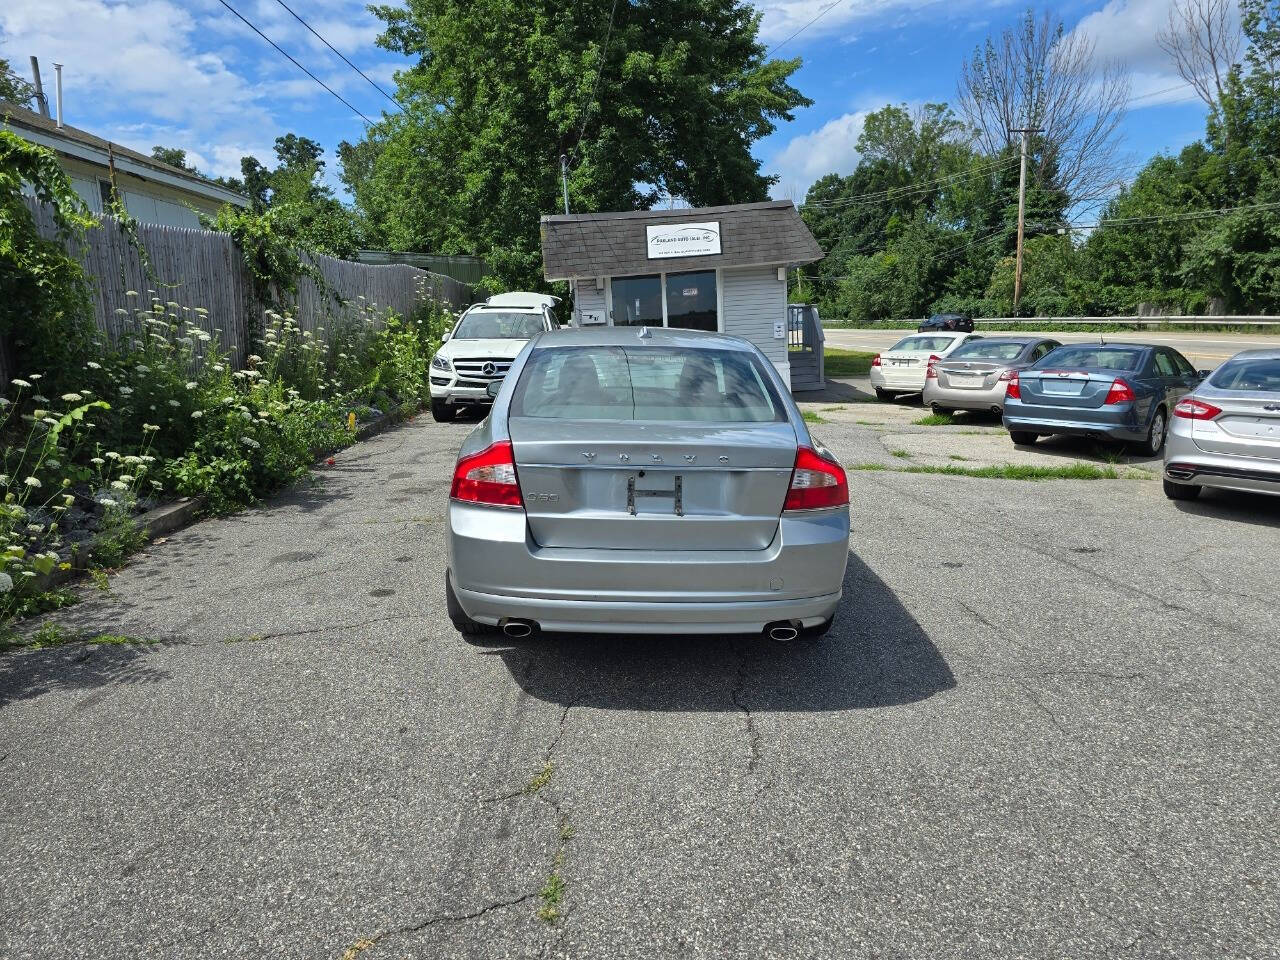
(752, 301)
(590, 304)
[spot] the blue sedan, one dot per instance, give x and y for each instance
(1121, 391)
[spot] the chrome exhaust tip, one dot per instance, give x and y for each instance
(517, 629)
(784, 631)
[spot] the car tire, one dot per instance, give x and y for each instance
(1022, 438)
(1181, 491)
(441, 412)
(1155, 435)
(884, 396)
(461, 622)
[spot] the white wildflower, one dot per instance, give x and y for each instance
(150, 427)
(132, 459)
(72, 397)
(39, 398)
(147, 459)
(218, 367)
(250, 442)
(197, 414)
(93, 365)
(142, 368)
(53, 464)
(191, 384)
(36, 376)
(19, 382)
(6, 582)
(174, 403)
(97, 461)
(50, 421)
(125, 391)
(119, 485)
(131, 293)
(107, 502)
(112, 455)
(126, 477)
(31, 482)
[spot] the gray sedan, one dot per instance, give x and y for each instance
(1118, 391)
(1227, 433)
(973, 377)
(645, 480)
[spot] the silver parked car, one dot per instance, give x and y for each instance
(1227, 432)
(973, 376)
(645, 480)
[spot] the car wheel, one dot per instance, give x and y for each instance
(884, 395)
(1022, 438)
(1181, 491)
(1155, 436)
(461, 622)
(441, 412)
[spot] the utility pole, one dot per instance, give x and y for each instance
(564, 181)
(41, 100)
(1022, 210)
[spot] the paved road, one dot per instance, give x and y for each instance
(1044, 726)
(1205, 350)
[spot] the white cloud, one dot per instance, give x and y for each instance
(832, 148)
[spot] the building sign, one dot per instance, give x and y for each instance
(683, 239)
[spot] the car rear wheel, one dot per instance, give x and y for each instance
(1181, 491)
(884, 395)
(1022, 438)
(1155, 436)
(461, 622)
(441, 412)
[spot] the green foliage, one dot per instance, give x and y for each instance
(665, 101)
(14, 88)
(174, 157)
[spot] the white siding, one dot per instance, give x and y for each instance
(752, 300)
(590, 300)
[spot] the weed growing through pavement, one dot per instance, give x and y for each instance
(541, 778)
(901, 454)
(811, 417)
(935, 420)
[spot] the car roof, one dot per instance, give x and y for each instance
(521, 298)
(504, 308)
(605, 336)
(1260, 353)
(990, 339)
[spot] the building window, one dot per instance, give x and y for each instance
(637, 301)
(104, 191)
(691, 300)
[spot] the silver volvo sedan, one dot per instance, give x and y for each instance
(1226, 433)
(645, 480)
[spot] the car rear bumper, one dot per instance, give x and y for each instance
(905, 381)
(964, 398)
(1186, 463)
(499, 572)
(1115, 422)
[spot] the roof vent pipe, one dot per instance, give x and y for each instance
(57, 69)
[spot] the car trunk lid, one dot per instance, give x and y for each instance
(1249, 425)
(1066, 388)
(645, 486)
(968, 373)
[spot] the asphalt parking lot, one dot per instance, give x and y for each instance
(1044, 725)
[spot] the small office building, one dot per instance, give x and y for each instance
(707, 268)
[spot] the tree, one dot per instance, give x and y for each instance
(648, 101)
(1036, 75)
(1203, 38)
(174, 157)
(15, 89)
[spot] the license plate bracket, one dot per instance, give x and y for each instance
(675, 494)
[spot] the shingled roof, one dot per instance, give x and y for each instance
(584, 245)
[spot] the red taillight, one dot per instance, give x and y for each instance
(816, 482)
(1012, 389)
(1120, 392)
(1193, 409)
(488, 477)
(875, 361)
(932, 372)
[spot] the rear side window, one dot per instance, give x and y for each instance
(1261, 375)
(924, 343)
(1096, 358)
(646, 383)
(983, 350)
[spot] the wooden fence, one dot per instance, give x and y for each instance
(204, 269)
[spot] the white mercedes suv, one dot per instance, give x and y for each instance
(480, 348)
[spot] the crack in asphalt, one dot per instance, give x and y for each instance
(740, 684)
(366, 943)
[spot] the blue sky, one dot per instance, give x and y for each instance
(186, 73)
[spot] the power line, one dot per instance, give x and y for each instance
(340, 54)
(595, 85)
(821, 13)
(295, 62)
(895, 193)
(1174, 217)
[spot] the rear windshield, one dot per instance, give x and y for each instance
(924, 343)
(988, 350)
(1262, 375)
(1090, 358)
(498, 325)
(646, 383)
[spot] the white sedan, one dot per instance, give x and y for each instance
(903, 367)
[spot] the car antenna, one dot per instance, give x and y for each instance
(644, 333)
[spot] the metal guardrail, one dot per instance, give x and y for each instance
(1219, 320)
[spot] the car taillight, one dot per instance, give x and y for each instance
(1012, 389)
(816, 482)
(1193, 409)
(932, 372)
(875, 361)
(1120, 392)
(488, 477)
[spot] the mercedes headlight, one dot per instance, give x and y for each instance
(440, 363)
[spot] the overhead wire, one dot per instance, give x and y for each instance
(286, 54)
(340, 54)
